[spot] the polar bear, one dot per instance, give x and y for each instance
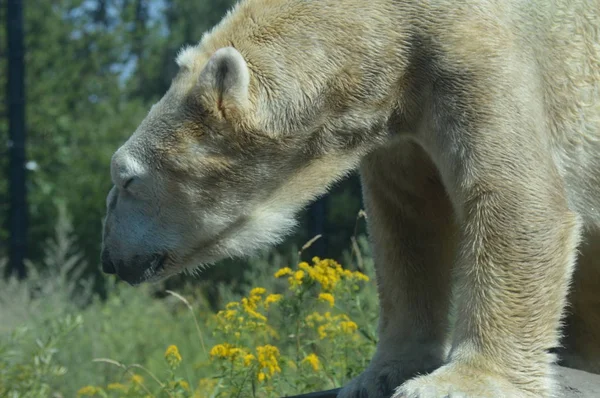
(475, 126)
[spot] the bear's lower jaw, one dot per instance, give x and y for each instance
(152, 270)
(243, 237)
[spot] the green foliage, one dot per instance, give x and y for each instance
(58, 337)
(130, 325)
(77, 115)
(156, 43)
(29, 370)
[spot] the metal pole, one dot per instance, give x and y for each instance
(16, 144)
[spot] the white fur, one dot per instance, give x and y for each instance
(186, 56)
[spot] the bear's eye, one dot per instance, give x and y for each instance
(131, 186)
(128, 182)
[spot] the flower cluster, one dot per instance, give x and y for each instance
(247, 315)
(265, 360)
(328, 298)
(264, 339)
(245, 320)
(330, 326)
(326, 273)
(225, 351)
(313, 361)
(172, 356)
(268, 365)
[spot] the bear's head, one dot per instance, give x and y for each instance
(218, 168)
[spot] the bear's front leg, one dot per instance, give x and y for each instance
(413, 239)
(515, 263)
(518, 241)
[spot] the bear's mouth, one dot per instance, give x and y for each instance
(155, 269)
(158, 264)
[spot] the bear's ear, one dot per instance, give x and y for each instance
(224, 84)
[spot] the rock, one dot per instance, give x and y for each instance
(574, 384)
(578, 384)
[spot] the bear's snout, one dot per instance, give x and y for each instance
(135, 270)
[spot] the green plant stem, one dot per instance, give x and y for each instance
(189, 306)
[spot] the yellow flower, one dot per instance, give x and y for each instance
(232, 305)
(313, 361)
(184, 384)
(248, 359)
(250, 306)
(322, 330)
(327, 273)
(219, 351)
(272, 298)
(296, 280)
(328, 297)
(234, 352)
(268, 363)
(137, 379)
(348, 327)
(88, 390)
(226, 351)
(261, 376)
(304, 266)
(229, 315)
(172, 356)
(360, 276)
(299, 275)
(283, 272)
(329, 326)
(258, 291)
(255, 314)
(117, 387)
(313, 318)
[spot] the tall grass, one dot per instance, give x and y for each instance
(57, 336)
